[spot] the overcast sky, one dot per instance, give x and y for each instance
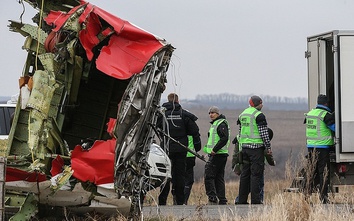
(238, 47)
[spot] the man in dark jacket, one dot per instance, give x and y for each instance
(217, 150)
(180, 124)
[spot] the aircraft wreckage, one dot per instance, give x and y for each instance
(82, 135)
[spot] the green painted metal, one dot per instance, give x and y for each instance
(27, 210)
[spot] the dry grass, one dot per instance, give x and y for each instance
(278, 205)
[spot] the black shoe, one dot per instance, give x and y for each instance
(223, 202)
(236, 200)
(259, 203)
(162, 203)
(238, 203)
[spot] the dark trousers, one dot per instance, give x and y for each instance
(261, 194)
(164, 191)
(178, 161)
(214, 179)
(190, 163)
(251, 175)
(320, 161)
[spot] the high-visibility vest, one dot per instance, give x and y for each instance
(190, 146)
(214, 138)
(317, 132)
(249, 129)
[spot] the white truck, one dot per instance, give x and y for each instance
(330, 59)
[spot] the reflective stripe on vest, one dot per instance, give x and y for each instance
(249, 129)
(317, 132)
(214, 138)
(190, 146)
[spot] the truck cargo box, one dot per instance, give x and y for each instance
(330, 59)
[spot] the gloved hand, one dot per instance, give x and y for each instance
(269, 157)
(237, 169)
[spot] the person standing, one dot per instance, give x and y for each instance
(179, 124)
(190, 163)
(237, 162)
(255, 142)
(320, 125)
(217, 150)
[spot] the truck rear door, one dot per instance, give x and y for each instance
(345, 98)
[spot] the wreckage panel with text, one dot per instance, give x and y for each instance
(89, 97)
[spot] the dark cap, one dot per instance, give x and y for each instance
(255, 101)
(214, 109)
(322, 99)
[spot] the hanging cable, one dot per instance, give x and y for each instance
(39, 33)
(23, 9)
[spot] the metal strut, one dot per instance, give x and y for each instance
(159, 131)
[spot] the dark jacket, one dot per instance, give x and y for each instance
(223, 132)
(180, 124)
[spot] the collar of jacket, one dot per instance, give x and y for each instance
(221, 116)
